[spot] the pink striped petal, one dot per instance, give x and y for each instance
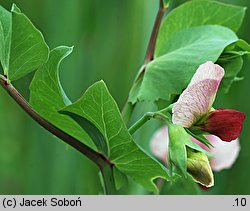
(197, 99)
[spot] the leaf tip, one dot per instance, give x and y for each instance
(15, 8)
(71, 48)
(102, 83)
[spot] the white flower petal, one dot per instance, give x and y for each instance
(194, 102)
(208, 70)
(225, 153)
(197, 99)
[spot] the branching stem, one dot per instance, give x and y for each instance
(98, 158)
(101, 160)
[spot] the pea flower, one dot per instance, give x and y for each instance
(194, 106)
(224, 153)
(194, 110)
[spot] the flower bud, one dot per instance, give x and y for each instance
(198, 166)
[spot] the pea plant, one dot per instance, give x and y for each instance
(193, 51)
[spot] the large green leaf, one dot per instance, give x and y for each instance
(47, 96)
(23, 48)
(198, 13)
(98, 107)
(169, 74)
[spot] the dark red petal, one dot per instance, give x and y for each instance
(204, 187)
(224, 123)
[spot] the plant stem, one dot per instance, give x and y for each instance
(168, 109)
(152, 42)
(146, 117)
(128, 108)
(98, 158)
(108, 178)
(140, 122)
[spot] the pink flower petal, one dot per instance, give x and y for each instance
(197, 99)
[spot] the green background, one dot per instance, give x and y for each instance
(110, 39)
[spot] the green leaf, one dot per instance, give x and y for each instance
(243, 45)
(90, 128)
(15, 9)
(182, 186)
(178, 141)
(120, 179)
(170, 74)
(232, 68)
(98, 107)
(232, 61)
(198, 13)
(47, 96)
(200, 137)
(5, 32)
(23, 46)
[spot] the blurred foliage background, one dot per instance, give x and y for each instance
(110, 39)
